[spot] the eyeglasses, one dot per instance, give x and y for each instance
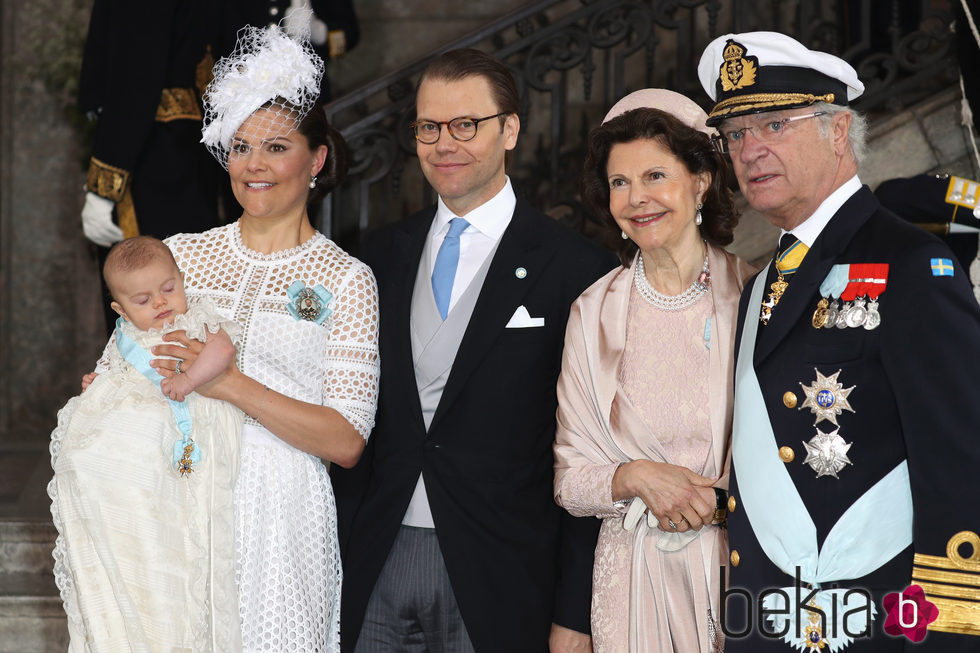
(732, 140)
(462, 129)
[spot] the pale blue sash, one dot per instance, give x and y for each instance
(871, 532)
(140, 359)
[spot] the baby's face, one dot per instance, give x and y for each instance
(150, 296)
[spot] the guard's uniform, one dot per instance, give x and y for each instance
(144, 68)
(341, 35)
(856, 437)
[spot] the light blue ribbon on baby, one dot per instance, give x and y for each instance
(872, 531)
(140, 359)
(836, 281)
(322, 294)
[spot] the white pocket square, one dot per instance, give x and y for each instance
(521, 319)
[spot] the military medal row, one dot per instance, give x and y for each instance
(858, 285)
(858, 313)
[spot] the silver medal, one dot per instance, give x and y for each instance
(832, 314)
(826, 398)
(826, 453)
(841, 322)
(874, 317)
(857, 313)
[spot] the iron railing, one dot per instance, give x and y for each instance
(573, 58)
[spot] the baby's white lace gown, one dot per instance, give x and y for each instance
(144, 559)
(289, 572)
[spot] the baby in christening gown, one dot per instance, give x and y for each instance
(143, 477)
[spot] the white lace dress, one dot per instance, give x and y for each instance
(289, 571)
(144, 558)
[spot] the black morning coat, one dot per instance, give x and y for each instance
(517, 562)
(915, 396)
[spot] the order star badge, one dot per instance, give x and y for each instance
(826, 398)
(826, 453)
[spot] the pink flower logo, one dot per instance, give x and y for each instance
(909, 612)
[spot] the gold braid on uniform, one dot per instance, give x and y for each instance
(112, 183)
(953, 584)
(107, 181)
(178, 104)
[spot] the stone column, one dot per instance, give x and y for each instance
(50, 306)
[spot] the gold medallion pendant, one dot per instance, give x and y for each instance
(186, 464)
(778, 287)
(821, 314)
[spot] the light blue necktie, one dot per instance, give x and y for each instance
(444, 271)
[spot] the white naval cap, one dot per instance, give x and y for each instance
(768, 71)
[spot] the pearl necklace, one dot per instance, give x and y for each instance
(671, 302)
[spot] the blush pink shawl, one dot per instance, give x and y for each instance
(599, 427)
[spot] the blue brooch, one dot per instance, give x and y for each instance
(309, 303)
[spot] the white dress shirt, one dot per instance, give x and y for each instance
(487, 224)
(810, 228)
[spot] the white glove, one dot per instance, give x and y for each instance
(97, 224)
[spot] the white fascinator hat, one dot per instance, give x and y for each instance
(267, 66)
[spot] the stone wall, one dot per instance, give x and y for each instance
(50, 313)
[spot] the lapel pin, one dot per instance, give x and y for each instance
(520, 273)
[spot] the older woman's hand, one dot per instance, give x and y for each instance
(672, 493)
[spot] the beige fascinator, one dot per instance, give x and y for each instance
(680, 106)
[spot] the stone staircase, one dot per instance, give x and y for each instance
(31, 616)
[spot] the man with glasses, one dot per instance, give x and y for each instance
(451, 538)
(854, 448)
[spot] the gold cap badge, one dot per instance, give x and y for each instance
(737, 71)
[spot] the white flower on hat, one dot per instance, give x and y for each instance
(267, 64)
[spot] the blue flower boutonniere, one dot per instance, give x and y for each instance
(309, 303)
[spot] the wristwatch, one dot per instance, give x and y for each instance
(721, 506)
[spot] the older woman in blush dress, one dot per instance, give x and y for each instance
(645, 394)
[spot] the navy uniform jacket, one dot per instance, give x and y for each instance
(915, 396)
(144, 68)
(517, 562)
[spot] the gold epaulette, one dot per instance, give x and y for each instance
(953, 584)
(962, 192)
(177, 104)
(107, 181)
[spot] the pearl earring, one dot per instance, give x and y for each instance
(697, 216)
(313, 183)
(623, 234)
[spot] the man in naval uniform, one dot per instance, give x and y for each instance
(450, 537)
(855, 443)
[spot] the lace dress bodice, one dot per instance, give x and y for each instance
(292, 356)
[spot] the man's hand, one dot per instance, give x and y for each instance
(97, 224)
(566, 640)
